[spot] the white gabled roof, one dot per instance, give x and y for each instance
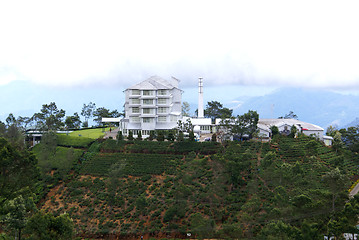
(111, 120)
(280, 122)
(263, 127)
(201, 121)
(153, 83)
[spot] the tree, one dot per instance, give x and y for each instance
(337, 141)
(2, 129)
(87, 112)
(119, 136)
(50, 117)
(139, 135)
(335, 182)
(10, 120)
(73, 122)
(331, 130)
(214, 137)
(18, 210)
(185, 109)
(274, 129)
(290, 115)
(102, 112)
(12, 132)
(293, 131)
(278, 230)
(191, 136)
(201, 226)
(45, 226)
(180, 136)
(215, 110)
(160, 136)
(185, 126)
(350, 138)
(268, 159)
(18, 170)
(48, 144)
(23, 122)
(170, 136)
(245, 124)
(130, 135)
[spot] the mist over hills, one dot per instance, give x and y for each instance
(319, 107)
(25, 99)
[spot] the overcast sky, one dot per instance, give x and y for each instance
(252, 43)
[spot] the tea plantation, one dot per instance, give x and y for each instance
(285, 189)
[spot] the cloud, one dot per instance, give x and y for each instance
(256, 43)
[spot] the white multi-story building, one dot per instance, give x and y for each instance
(153, 104)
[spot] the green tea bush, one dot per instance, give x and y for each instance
(70, 141)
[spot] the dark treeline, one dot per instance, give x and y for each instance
(52, 118)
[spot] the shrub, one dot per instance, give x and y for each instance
(70, 141)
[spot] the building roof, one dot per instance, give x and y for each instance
(111, 119)
(201, 121)
(154, 83)
(280, 122)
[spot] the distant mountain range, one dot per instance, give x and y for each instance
(319, 107)
(25, 99)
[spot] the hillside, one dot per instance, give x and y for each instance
(169, 189)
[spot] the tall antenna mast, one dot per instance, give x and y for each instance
(200, 98)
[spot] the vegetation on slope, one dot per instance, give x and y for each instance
(288, 187)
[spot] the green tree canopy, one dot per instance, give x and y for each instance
(185, 109)
(18, 170)
(87, 112)
(335, 182)
(46, 226)
(215, 110)
(73, 122)
(17, 212)
(50, 117)
(102, 112)
(245, 124)
(290, 115)
(350, 137)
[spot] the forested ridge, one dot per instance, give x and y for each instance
(289, 188)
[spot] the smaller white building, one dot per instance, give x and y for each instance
(203, 125)
(284, 126)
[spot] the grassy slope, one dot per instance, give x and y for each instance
(90, 133)
(232, 193)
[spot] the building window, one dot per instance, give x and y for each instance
(135, 110)
(173, 118)
(147, 120)
(135, 101)
(162, 118)
(135, 92)
(162, 110)
(147, 101)
(147, 111)
(205, 128)
(147, 92)
(162, 92)
(145, 132)
(162, 101)
(135, 119)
